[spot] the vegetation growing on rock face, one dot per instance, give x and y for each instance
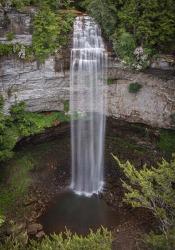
(153, 189)
(167, 141)
(45, 33)
(134, 87)
(50, 30)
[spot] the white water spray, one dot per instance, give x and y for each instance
(87, 99)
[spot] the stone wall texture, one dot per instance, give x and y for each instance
(45, 87)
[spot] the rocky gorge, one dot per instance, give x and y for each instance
(34, 180)
(45, 87)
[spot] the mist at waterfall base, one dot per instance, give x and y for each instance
(87, 99)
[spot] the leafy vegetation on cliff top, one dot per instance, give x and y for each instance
(131, 24)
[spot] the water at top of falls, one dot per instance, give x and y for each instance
(87, 97)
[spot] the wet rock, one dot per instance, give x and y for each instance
(34, 228)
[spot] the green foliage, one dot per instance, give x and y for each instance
(1, 102)
(50, 32)
(19, 4)
(104, 12)
(65, 24)
(6, 49)
(10, 36)
(110, 81)
(46, 31)
(53, 4)
(124, 45)
(66, 106)
(19, 50)
(2, 220)
(167, 141)
(130, 24)
(152, 23)
(21, 123)
(134, 87)
(160, 241)
(152, 188)
(18, 183)
(100, 240)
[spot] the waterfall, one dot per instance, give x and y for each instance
(87, 102)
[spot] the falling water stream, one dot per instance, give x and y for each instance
(87, 100)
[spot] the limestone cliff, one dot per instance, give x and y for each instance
(45, 87)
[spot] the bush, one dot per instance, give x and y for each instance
(160, 241)
(148, 24)
(10, 36)
(153, 188)
(104, 13)
(100, 240)
(134, 87)
(151, 23)
(50, 32)
(167, 141)
(46, 31)
(124, 45)
(21, 123)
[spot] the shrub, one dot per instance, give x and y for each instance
(66, 106)
(66, 24)
(21, 123)
(104, 13)
(124, 45)
(46, 31)
(167, 141)
(151, 23)
(160, 241)
(10, 36)
(110, 81)
(153, 188)
(6, 49)
(50, 32)
(134, 87)
(100, 240)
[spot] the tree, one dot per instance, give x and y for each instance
(151, 22)
(45, 35)
(153, 188)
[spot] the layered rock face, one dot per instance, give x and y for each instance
(45, 87)
(153, 104)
